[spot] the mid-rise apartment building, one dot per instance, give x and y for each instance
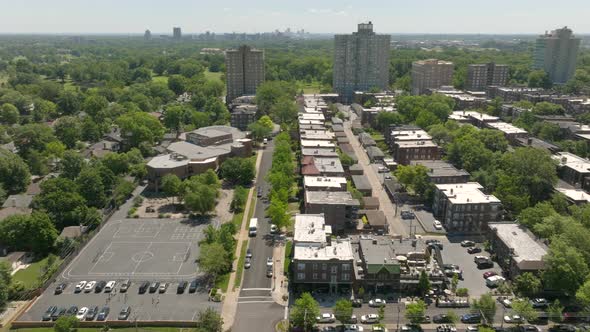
(573, 169)
(176, 33)
(556, 53)
(431, 74)
(244, 71)
(243, 115)
(440, 171)
(464, 208)
(361, 61)
(339, 207)
(480, 76)
(408, 143)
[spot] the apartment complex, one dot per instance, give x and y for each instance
(440, 171)
(176, 33)
(464, 208)
(244, 69)
(408, 143)
(361, 61)
(431, 74)
(573, 169)
(319, 260)
(243, 115)
(338, 207)
(480, 76)
(556, 53)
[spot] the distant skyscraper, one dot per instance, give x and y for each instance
(431, 74)
(556, 53)
(244, 68)
(176, 33)
(361, 61)
(147, 35)
(480, 76)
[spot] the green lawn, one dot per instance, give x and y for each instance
(222, 282)
(30, 276)
(241, 262)
(213, 76)
(288, 249)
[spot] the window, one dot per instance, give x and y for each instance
(300, 276)
(345, 267)
(301, 266)
(345, 276)
(315, 276)
(324, 275)
(315, 266)
(334, 269)
(324, 266)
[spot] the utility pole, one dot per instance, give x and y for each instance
(398, 313)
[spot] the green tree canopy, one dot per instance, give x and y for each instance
(305, 311)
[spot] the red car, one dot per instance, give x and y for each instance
(489, 274)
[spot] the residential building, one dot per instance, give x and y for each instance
(321, 135)
(480, 76)
(511, 132)
(147, 35)
(509, 94)
(376, 220)
(324, 183)
(312, 144)
(477, 119)
(440, 171)
(362, 184)
(538, 144)
(575, 196)
(244, 68)
(319, 152)
(573, 169)
(319, 260)
(556, 53)
(339, 208)
(361, 61)
(517, 249)
(321, 166)
(366, 140)
(464, 208)
(375, 154)
(463, 99)
(197, 151)
(243, 115)
(404, 152)
(176, 33)
(431, 74)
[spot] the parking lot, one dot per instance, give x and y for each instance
(154, 250)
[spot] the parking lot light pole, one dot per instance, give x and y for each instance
(398, 313)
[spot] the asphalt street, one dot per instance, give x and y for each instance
(256, 309)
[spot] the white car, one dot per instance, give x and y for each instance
(437, 225)
(326, 318)
(369, 319)
(506, 302)
(80, 286)
(89, 286)
(514, 319)
(353, 328)
(472, 328)
(81, 313)
(273, 229)
(110, 286)
(379, 329)
(269, 262)
(377, 303)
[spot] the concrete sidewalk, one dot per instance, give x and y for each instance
(230, 302)
(280, 286)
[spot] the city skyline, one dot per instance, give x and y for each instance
(428, 16)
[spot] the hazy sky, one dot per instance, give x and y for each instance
(405, 16)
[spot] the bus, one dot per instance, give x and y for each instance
(253, 226)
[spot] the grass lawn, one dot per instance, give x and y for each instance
(222, 282)
(252, 205)
(163, 79)
(313, 87)
(237, 220)
(213, 76)
(30, 276)
(241, 262)
(288, 249)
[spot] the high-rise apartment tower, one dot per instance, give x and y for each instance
(244, 68)
(556, 53)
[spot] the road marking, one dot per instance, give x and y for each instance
(253, 297)
(247, 302)
(255, 289)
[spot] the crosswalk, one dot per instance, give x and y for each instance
(255, 295)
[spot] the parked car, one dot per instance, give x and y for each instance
(513, 319)
(488, 274)
(375, 303)
(370, 319)
(353, 319)
(124, 313)
(72, 310)
(259, 192)
(58, 313)
(181, 287)
(154, 286)
(82, 313)
(80, 286)
(437, 225)
(60, 288)
(48, 313)
(89, 286)
(471, 328)
(273, 229)
(269, 261)
(328, 329)
(249, 253)
(446, 328)
(441, 318)
(528, 328)
(92, 312)
(326, 318)
(539, 303)
(494, 281)
(353, 328)
(143, 287)
(247, 263)
(100, 286)
(562, 328)
(269, 272)
(471, 318)
(473, 250)
(467, 243)
(506, 302)
(377, 328)
(125, 286)
(110, 286)
(407, 214)
(357, 303)
(103, 313)
(193, 286)
(163, 287)
(434, 243)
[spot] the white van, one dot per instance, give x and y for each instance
(253, 227)
(494, 281)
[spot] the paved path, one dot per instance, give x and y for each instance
(385, 203)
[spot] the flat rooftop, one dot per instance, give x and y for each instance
(328, 165)
(311, 116)
(317, 135)
(322, 152)
(572, 161)
(340, 249)
(476, 115)
(361, 182)
(324, 181)
(466, 193)
(415, 144)
(410, 135)
(317, 143)
(506, 128)
(166, 161)
(576, 195)
(311, 228)
(197, 152)
(330, 197)
(311, 122)
(515, 236)
(440, 168)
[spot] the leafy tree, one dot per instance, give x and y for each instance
(414, 178)
(239, 199)
(565, 269)
(452, 317)
(259, 131)
(209, 320)
(305, 311)
(238, 170)
(171, 184)
(14, 173)
(68, 323)
(71, 164)
(527, 285)
(539, 79)
(534, 215)
(33, 232)
(90, 187)
(284, 110)
(94, 104)
(9, 114)
(139, 127)
(423, 284)
(555, 311)
(270, 93)
(214, 259)
(278, 212)
(68, 129)
(118, 163)
(545, 108)
(32, 136)
(487, 306)
(69, 102)
(343, 310)
(60, 199)
(387, 119)
(415, 312)
(524, 309)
